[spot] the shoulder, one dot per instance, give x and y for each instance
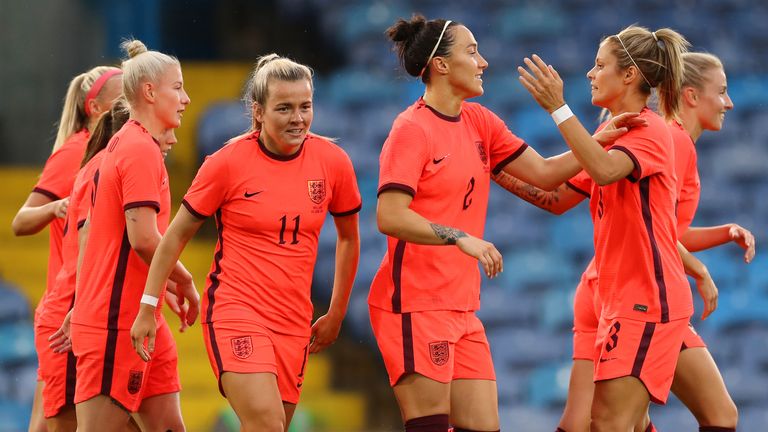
(325, 147)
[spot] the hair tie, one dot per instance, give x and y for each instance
(656, 38)
(96, 88)
(434, 50)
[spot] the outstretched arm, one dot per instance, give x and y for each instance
(557, 201)
(701, 238)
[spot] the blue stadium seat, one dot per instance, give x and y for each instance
(14, 416)
(548, 385)
(13, 305)
(18, 342)
(220, 122)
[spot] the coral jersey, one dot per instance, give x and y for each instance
(112, 275)
(688, 183)
(269, 211)
(57, 303)
(56, 183)
(445, 164)
(640, 274)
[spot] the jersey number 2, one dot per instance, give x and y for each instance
(284, 221)
(470, 189)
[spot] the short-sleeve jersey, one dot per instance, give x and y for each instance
(688, 184)
(112, 275)
(445, 164)
(57, 303)
(582, 183)
(56, 183)
(269, 211)
(640, 273)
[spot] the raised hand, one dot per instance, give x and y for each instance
(543, 83)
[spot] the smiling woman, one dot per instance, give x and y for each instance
(270, 189)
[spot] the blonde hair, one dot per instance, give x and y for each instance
(696, 65)
(272, 67)
(142, 65)
(658, 57)
(73, 117)
(108, 125)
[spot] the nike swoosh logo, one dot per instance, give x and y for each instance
(437, 161)
(248, 195)
(602, 360)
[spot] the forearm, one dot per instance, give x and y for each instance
(559, 169)
(700, 238)
(31, 220)
(591, 156)
(551, 201)
(410, 226)
(347, 258)
(693, 267)
(165, 264)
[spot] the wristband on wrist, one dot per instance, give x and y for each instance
(562, 114)
(149, 300)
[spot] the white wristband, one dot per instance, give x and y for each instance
(562, 114)
(150, 300)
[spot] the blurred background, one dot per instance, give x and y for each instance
(359, 89)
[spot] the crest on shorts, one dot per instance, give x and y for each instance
(242, 347)
(134, 381)
(316, 189)
(481, 151)
(438, 352)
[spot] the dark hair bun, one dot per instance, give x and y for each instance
(405, 31)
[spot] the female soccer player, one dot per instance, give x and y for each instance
(433, 191)
(697, 380)
(270, 190)
(89, 95)
(130, 210)
(644, 308)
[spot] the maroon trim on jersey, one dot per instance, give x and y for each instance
(70, 374)
(639, 169)
(658, 270)
(348, 212)
(47, 193)
(642, 350)
(577, 189)
(194, 212)
(396, 186)
(408, 361)
(215, 282)
(683, 347)
(280, 157)
(453, 119)
(500, 166)
(397, 270)
(80, 224)
(153, 204)
(66, 227)
(114, 315)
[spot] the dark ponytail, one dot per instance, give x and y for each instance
(109, 123)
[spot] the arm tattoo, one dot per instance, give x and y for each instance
(540, 198)
(447, 234)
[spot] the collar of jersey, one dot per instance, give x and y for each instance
(275, 156)
(454, 119)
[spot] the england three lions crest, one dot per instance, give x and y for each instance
(242, 347)
(317, 191)
(439, 352)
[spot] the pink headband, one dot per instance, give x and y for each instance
(96, 88)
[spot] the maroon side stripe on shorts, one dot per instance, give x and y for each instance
(215, 282)
(114, 315)
(645, 200)
(69, 389)
(397, 271)
(408, 362)
(642, 350)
